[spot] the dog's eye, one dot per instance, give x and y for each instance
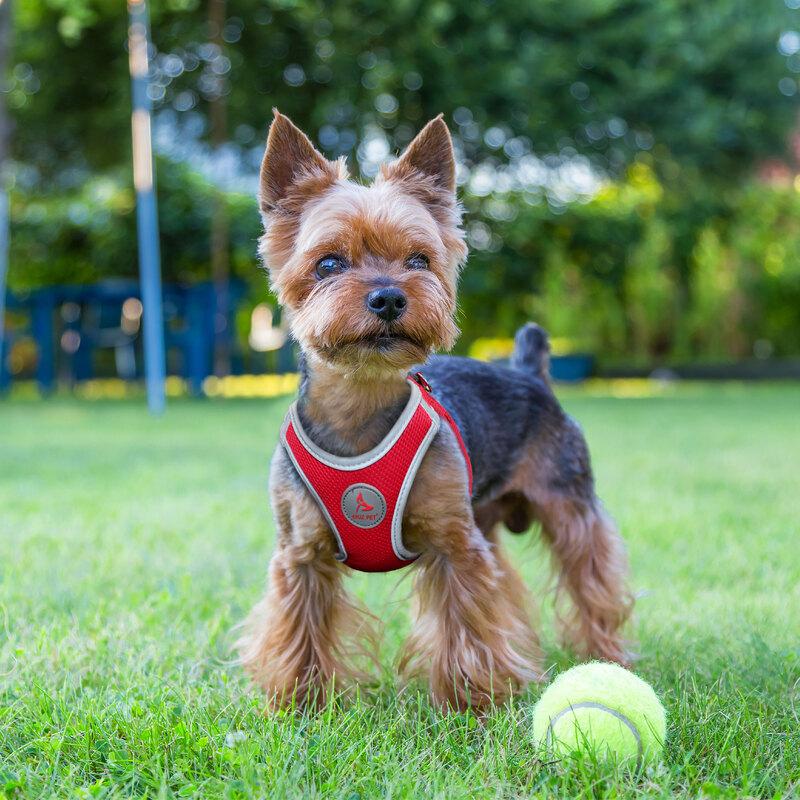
(330, 265)
(417, 261)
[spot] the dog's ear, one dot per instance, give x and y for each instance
(290, 159)
(430, 154)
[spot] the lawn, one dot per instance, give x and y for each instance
(130, 547)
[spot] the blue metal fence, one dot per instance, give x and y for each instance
(70, 325)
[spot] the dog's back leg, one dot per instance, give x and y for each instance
(587, 551)
(590, 558)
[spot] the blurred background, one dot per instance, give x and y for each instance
(629, 170)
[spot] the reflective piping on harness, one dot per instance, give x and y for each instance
(351, 463)
(342, 554)
(397, 520)
(371, 456)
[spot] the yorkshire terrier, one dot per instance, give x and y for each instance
(368, 275)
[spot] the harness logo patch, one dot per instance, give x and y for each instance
(363, 505)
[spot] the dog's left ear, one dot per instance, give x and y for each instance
(430, 154)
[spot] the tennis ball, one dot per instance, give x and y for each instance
(601, 709)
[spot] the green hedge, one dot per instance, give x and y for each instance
(642, 272)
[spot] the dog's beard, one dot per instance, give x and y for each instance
(387, 349)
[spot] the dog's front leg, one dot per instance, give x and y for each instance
(469, 640)
(305, 631)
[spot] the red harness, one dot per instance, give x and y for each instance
(363, 497)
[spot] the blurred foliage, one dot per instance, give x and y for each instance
(604, 273)
(608, 275)
(696, 82)
(607, 149)
(88, 233)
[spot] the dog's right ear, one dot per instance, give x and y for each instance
(290, 159)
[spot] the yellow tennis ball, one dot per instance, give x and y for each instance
(604, 710)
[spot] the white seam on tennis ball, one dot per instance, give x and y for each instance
(600, 707)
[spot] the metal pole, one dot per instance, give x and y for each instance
(4, 223)
(5, 136)
(220, 224)
(146, 212)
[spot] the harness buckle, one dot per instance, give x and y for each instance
(419, 378)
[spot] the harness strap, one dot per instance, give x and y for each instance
(363, 497)
(428, 397)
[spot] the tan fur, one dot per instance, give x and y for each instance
(588, 554)
(305, 634)
(472, 638)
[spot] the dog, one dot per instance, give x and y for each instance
(368, 276)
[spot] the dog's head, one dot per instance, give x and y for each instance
(368, 273)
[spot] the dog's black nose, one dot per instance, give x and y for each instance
(388, 303)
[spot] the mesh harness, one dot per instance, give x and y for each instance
(363, 497)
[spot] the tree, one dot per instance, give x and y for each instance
(696, 82)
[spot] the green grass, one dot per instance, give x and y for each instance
(129, 547)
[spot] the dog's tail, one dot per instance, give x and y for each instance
(532, 351)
